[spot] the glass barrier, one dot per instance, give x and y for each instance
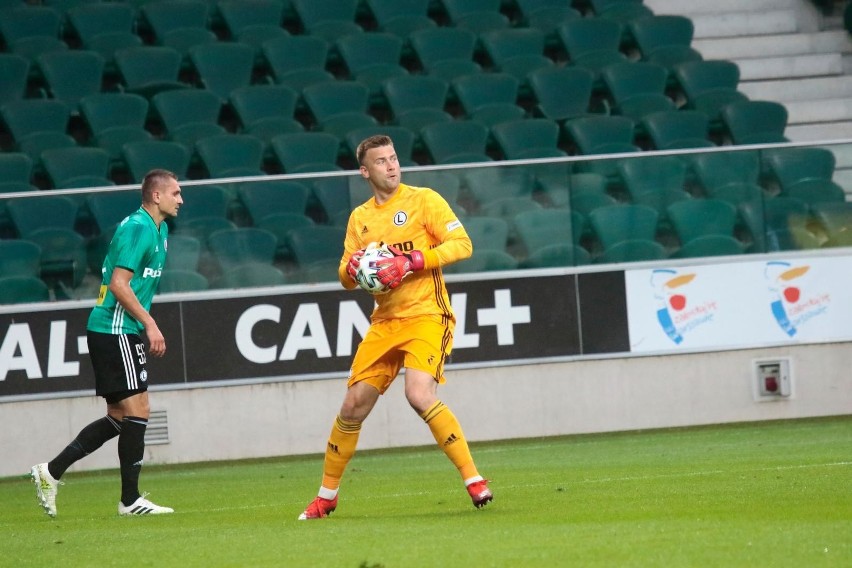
(571, 211)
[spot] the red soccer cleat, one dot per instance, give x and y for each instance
(479, 493)
(320, 508)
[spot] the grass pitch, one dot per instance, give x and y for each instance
(762, 494)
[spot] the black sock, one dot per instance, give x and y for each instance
(131, 451)
(87, 441)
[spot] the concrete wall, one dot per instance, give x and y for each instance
(290, 418)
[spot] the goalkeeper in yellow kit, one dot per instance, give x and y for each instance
(412, 325)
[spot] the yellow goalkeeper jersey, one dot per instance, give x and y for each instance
(415, 218)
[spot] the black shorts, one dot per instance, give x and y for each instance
(119, 364)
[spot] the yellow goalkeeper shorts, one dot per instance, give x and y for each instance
(422, 342)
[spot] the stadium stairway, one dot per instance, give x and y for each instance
(788, 51)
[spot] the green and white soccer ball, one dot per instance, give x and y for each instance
(367, 269)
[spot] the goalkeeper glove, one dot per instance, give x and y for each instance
(352, 265)
(393, 270)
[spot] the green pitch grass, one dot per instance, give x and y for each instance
(766, 494)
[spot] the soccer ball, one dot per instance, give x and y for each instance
(367, 269)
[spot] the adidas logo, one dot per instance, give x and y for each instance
(451, 439)
(333, 448)
(365, 230)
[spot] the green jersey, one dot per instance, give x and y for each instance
(140, 247)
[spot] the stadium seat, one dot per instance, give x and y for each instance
(148, 70)
(231, 155)
(788, 167)
(636, 89)
(72, 75)
(445, 182)
(371, 58)
(488, 98)
(328, 19)
(14, 69)
(15, 167)
(188, 115)
(246, 18)
(339, 106)
(317, 243)
(737, 192)
(182, 280)
(107, 209)
(555, 255)
(416, 100)
(445, 52)
(297, 61)
(203, 201)
(835, 219)
(266, 111)
(709, 245)
(115, 119)
(401, 17)
(632, 250)
(585, 203)
(280, 225)
(29, 21)
(483, 260)
(143, 156)
(301, 152)
(183, 40)
(77, 167)
(540, 228)
(456, 142)
(623, 11)
(546, 16)
(184, 252)
(251, 275)
(263, 198)
(528, 138)
(166, 17)
(486, 185)
(516, 51)
(22, 290)
(653, 174)
(104, 27)
(695, 218)
(561, 93)
(708, 86)
(479, 16)
(714, 170)
(675, 129)
(19, 257)
(664, 38)
(332, 194)
(223, 66)
(487, 233)
(755, 122)
(618, 223)
(36, 125)
(770, 217)
(592, 43)
(234, 247)
(600, 135)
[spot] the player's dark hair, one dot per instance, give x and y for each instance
(153, 180)
(375, 141)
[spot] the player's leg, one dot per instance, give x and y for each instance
(420, 389)
(360, 399)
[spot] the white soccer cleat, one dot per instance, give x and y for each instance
(46, 488)
(143, 507)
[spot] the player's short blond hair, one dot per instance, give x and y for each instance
(376, 141)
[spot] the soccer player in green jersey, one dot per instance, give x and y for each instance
(131, 272)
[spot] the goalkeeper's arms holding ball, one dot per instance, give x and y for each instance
(411, 326)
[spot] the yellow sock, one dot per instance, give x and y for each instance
(340, 449)
(448, 433)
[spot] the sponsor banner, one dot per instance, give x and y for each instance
(288, 335)
(739, 304)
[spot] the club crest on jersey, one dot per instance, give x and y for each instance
(399, 218)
